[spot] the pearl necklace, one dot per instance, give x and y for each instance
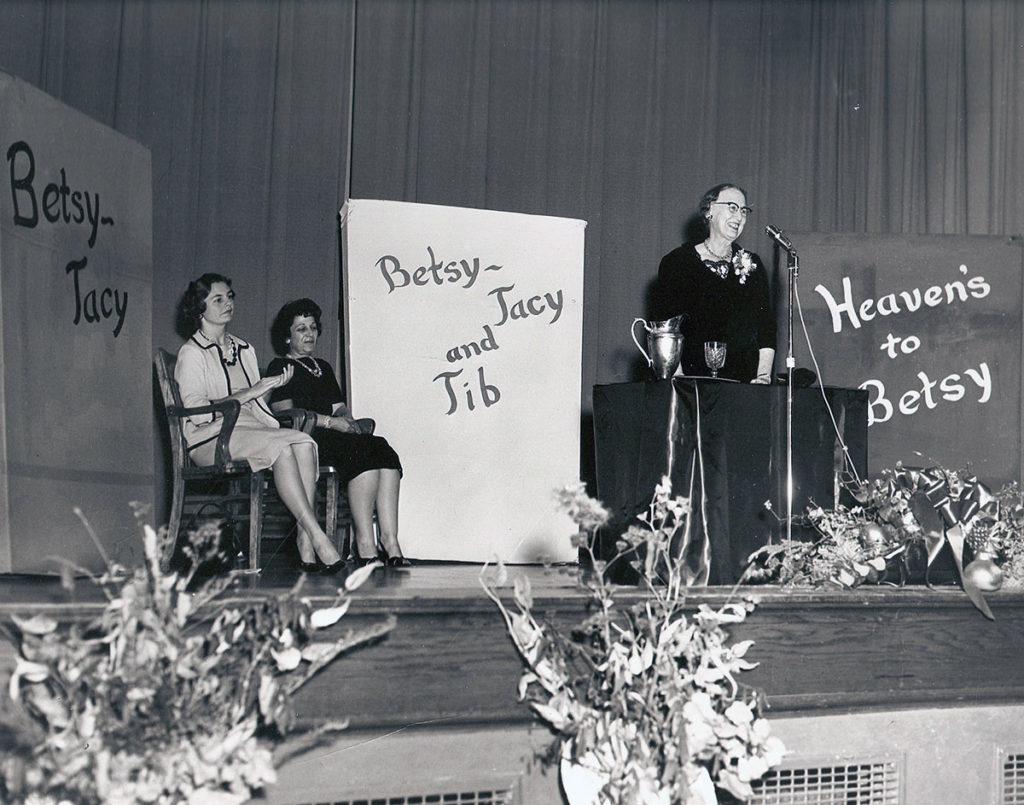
(316, 371)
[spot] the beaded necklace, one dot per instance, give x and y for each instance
(719, 266)
(232, 351)
(316, 371)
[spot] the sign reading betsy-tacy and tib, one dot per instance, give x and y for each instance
(463, 335)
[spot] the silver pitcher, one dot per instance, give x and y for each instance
(664, 345)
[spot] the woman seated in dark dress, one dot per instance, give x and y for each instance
(367, 464)
(722, 292)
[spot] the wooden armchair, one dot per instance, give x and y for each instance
(245, 489)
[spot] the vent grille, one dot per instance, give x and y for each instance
(490, 797)
(1013, 779)
(862, 783)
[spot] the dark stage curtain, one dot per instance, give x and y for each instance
(244, 106)
(898, 116)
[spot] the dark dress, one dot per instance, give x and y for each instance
(716, 308)
(351, 454)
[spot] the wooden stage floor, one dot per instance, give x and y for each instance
(386, 586)
(449, 658)
(437, 698)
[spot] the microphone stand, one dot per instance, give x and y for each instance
(793, 265)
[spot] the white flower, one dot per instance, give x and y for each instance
(750, 768)
(739, 713)
(702, 790)
(586, 512)
(773, 750)
(743, 264)
(699, 735)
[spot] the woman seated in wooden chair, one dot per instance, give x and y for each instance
(214, 365)
(367, 463)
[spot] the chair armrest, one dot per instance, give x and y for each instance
(297, 418)
(229, 409)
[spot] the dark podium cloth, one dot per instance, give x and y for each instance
(643, 431)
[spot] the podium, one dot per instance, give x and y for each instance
(727, 440)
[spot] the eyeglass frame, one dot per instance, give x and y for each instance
(735, 208)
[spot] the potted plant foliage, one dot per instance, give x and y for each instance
(644, 698)
(173, 694)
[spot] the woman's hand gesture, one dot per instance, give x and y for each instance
(265, 385)
(283, 378)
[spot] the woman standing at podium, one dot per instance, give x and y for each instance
(722, 292)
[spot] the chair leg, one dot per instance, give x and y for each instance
(331, 505)
(174, 523)
(256, 482)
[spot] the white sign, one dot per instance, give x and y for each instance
(463, 341)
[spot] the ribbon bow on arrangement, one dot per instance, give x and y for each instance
(961, 509)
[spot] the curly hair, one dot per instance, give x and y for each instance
(193, 302)
(281, 328)
(711, 196)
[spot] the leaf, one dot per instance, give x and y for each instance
(287, 660)
(37, 624)
(326, 617)
(740, 649)
(549, 714)
(524, 684)
(523, 632)
(358, 577)
(182, 609)
(522, 593)
(731, 783)
(208, 796)
(32, 671)
(316, 652)
(267, 692)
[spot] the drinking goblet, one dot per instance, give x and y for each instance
(714, 356)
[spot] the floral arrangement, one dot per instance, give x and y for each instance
(903, 513)
(167, 696)
(644, 699)
(743, 263)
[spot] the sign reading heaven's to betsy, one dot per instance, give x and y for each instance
(463, 341)
(930, 326)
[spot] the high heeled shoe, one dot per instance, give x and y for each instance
(393, 561)
(333, 567)
(309, 567)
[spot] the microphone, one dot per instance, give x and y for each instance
(776, 234)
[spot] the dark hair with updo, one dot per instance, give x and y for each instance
(193, 302)
(280, 330)
(711, 196)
